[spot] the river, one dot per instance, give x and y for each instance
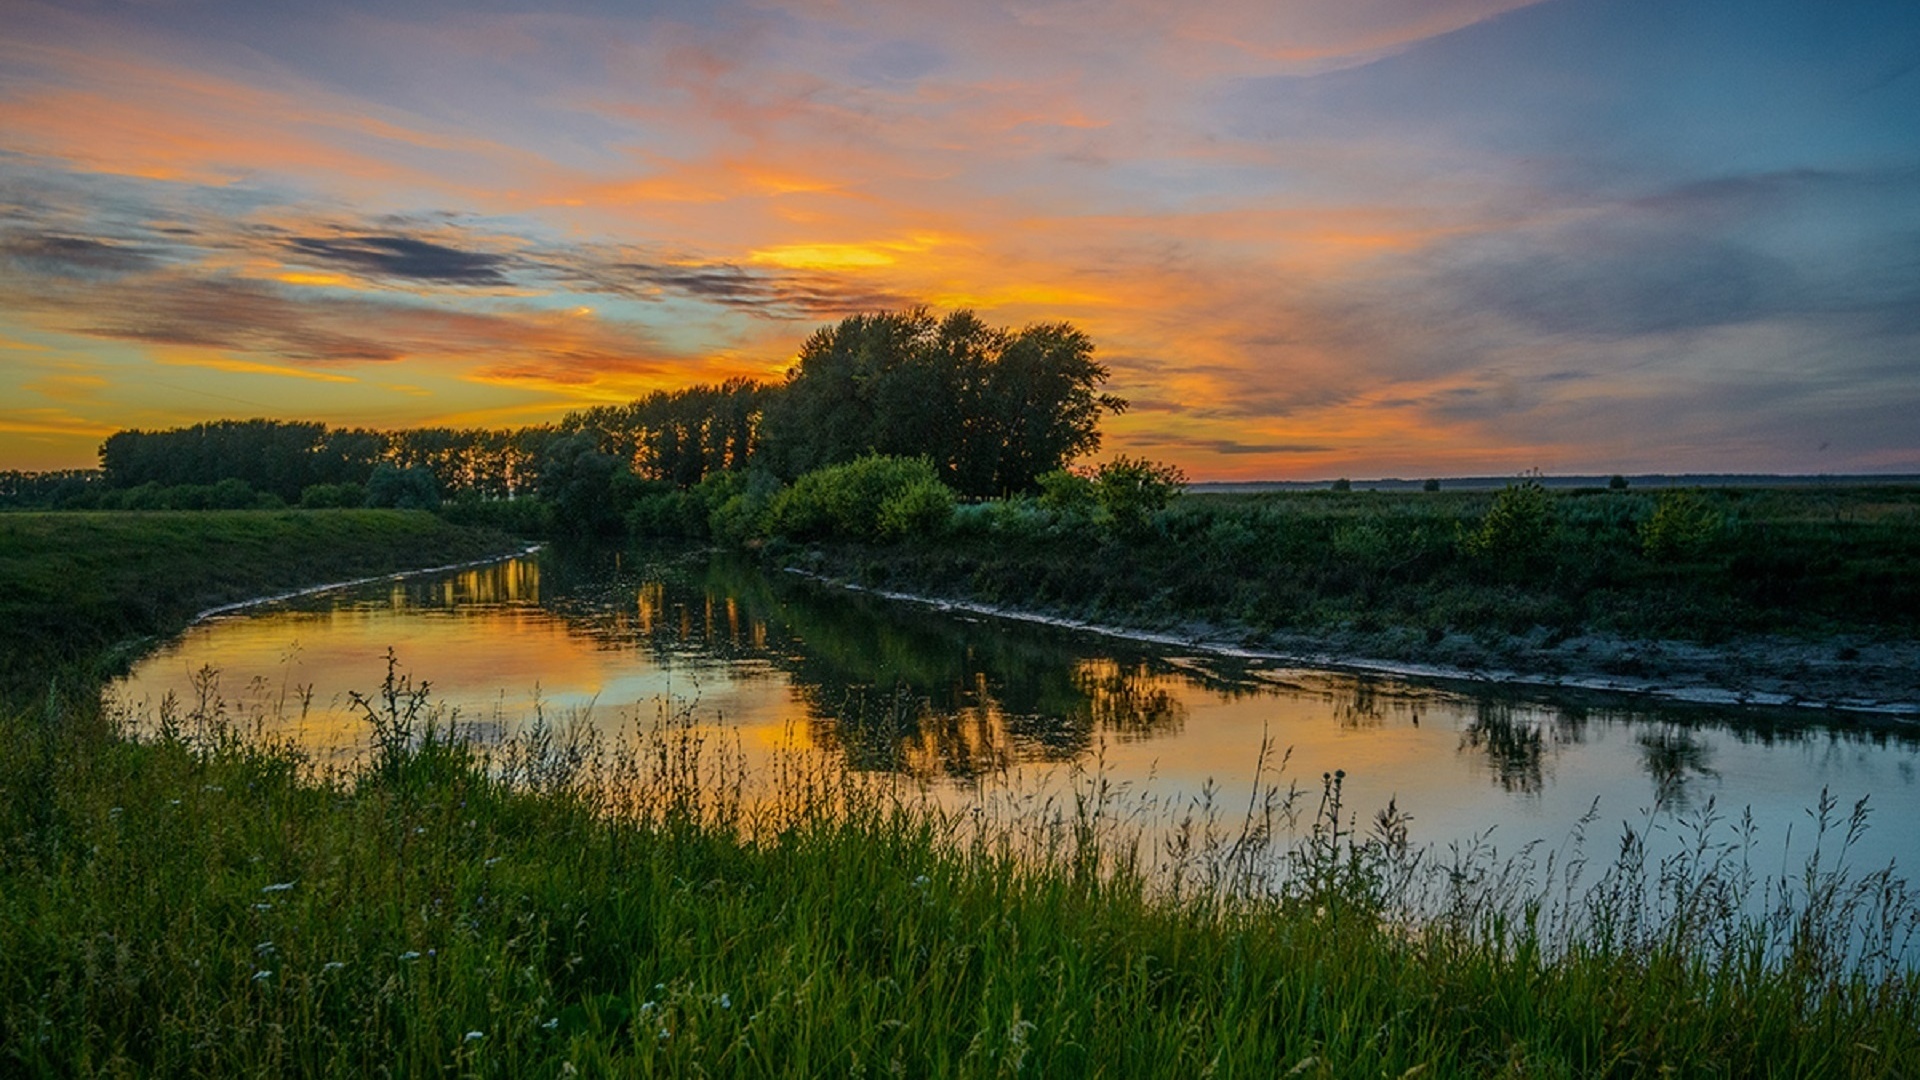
(960, 704)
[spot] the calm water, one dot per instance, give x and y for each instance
(960, 702)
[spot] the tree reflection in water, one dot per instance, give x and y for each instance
(1518, 741)
(1674, 756)
(906, 688)
(893, 686)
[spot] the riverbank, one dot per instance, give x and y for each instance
(78, 589)
(1881, 678)
(199, 903)
(1764, 596)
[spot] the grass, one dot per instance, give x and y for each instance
(74, 584)
(193, 901)
(198, 903)
(1699, 566)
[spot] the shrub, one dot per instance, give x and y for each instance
(1682, 527)
(924, 508)
(1132, 490)
(1432, 485)
(333, 497)
(738, 504)
(1343, 484)
(1068, 492)
(1517, 526)
(403, 489)
(849, 500)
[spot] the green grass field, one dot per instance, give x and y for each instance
(75, 584)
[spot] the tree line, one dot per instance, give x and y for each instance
(991, 409)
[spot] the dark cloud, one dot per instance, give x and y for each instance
(72, 256)
(405, 257)
(1227, 446)
(765, 293)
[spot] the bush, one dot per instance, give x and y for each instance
(391, 487)
(1068, 492)
(333, 497)
(524, 516)
(852, 500)
(923, 509)
(1516, 528)
(738, 504)
(1682, 527)
(1132, 490)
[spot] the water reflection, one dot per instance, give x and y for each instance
(954, 699)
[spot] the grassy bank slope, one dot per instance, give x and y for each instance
(72, 584)
(1454, 577)
(196, 908)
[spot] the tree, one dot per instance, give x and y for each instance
(992, 409)
(577, 480)
(403, 489)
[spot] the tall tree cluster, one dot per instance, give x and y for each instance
(680, 436)
(991, 408)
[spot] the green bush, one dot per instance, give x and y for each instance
(1068, 492)
(1517, 527)
(1682, 527)
(394, 488)
(1132, 490)
(333, 497)
(923, 509)
(852, 501)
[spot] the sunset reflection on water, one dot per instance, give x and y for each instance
(953, 703)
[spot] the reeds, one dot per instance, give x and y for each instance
(195, 900)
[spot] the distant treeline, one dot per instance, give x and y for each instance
(990, 409)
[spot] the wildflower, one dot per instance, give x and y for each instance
(263, 906)
(474, 1036)
(258, 975)
(410, 955)
(493, 860)
(552, 1024)
(263, 947)
(332, 965)
(280, 886)
(725, 1001)
(922, 881)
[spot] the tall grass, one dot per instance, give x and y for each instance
(196, 900)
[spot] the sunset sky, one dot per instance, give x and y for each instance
(1310, 239)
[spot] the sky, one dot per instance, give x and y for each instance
(1309, 239)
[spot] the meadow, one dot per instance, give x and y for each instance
(196, 900)
(85, 588)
